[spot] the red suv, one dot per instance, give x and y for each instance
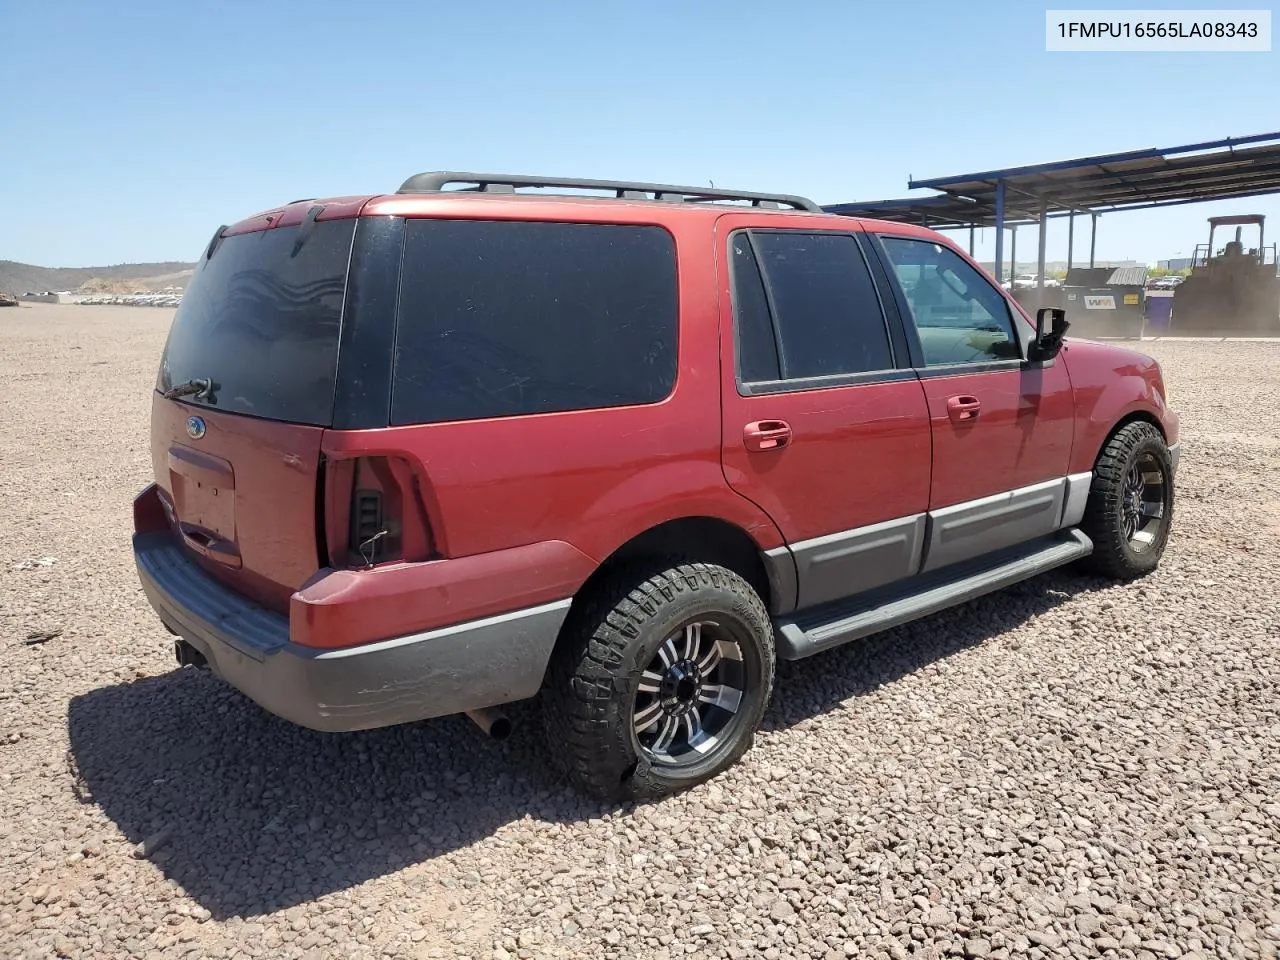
(437, 451)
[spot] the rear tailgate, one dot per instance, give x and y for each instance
(250, 367)
(242, 496)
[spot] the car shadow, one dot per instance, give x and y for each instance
(815, 685)
(260, 815)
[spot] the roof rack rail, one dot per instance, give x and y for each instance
(435, 182)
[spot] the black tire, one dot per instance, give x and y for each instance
(613, 636)
(1119, 552)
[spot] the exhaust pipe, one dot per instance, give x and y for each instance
(188, 656)
(492, 721)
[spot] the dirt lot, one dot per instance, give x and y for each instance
(1067, 769)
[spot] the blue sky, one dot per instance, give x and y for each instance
(132, 129)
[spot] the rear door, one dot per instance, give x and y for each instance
(825, 426)
(1001, 429)
(252, 356)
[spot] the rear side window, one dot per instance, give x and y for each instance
(825, 310)
(260, 319)
(502, 318)
(757, 347)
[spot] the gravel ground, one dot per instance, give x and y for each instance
(1069, 768)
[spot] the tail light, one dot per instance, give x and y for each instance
(374, 513)
(368, 527)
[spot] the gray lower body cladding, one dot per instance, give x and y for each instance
(450, 670)
(858, 582)
(834, 567)
(832, 625)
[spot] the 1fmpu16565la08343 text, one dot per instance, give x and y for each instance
(1178, 30)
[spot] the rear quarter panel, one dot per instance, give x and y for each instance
(593, 478)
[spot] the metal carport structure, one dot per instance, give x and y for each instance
(1135, 180)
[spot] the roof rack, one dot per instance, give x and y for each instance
(435, 182)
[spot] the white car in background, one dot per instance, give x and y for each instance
(1029, 281)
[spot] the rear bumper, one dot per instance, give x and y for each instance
(463, 667)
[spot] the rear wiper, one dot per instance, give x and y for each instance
(304, 230)
(192, 388)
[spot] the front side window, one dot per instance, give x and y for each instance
(960, 317)
(504, 318)
(805, 306)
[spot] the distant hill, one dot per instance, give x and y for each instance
(120, 278)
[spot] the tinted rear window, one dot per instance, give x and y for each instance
(757, 347)
(261, 320)
(828, 314)
(501, 318)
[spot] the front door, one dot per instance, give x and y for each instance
(825, 425)
(1002, 429)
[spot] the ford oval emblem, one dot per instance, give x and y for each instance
(195, 427)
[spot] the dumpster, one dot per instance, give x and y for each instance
(1105, 301)
(1159, 311)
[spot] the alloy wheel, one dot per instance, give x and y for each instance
(1143, 502)
(689, 695)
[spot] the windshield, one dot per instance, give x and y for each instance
(260, 321)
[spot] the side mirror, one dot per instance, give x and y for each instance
(1051, 328)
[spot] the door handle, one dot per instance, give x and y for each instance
(210, 546)
(766, 434)
(963, 408)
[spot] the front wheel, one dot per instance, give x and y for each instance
(660, 681)
(1130, 506)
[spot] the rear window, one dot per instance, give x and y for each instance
(261, 319)
(502, 318)
(827, 311)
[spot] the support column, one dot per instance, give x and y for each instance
(1093, 238)
(1044, 233)
(999, 271)
(971, 239)
(1013, 255)
(1040, 256)
(1071, 239)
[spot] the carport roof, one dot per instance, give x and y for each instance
(1138, 179)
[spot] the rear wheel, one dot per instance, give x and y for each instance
(1130, 506)
(660, 681)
